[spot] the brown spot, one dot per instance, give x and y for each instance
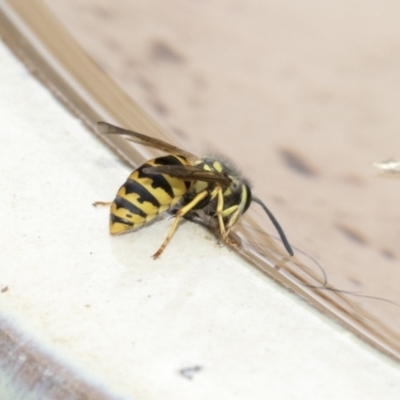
(199, 81)
(161, 51)
(389, 254)
(131, 63)
(353, 179)
(297, 163)
(159, 107)
(146, 85)
(278, 199)
(5, 289)
(355, 281)
(352, 234)
(101, 12)
(111, 44)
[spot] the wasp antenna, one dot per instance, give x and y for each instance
(276, 224)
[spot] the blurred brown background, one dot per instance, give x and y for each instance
(304, 96)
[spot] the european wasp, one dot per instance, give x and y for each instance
(207, 190)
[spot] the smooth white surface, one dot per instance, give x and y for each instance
(106, 307)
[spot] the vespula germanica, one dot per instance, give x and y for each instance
(208, 190)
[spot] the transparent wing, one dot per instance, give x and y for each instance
(190, 173)
(104, 128)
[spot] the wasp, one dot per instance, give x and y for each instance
(207, 190)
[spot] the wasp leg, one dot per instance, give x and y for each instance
(101, 203)
(234, 213)
(225, 229)
(180, 213)
(220, 211)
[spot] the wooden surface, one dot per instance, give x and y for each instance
(303, 96)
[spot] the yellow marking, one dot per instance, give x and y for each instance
(220, 209)
(239, 209)
(150, 217)
(233, 211)
(162, 209)
(200, 186)
(243, 198)
(126, 214)
(233, 219)
(117, 228)
(181, 212)
(215, 193)
(228, 192)
(217, 166)
(159, 193)
(206, 167)
(175, 200)
(146, 206)
(178, 185)
(229, 211)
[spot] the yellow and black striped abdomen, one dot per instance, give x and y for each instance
(144, 195)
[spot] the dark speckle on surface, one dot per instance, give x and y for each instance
(355, 282)
(145, 84)
(101, 12)
(5, 289)
(389, 254)
(162, 51)
(159, 107)
(111, 45)
(297, 163)
(353, 179)
(190, 372)
(352, 234)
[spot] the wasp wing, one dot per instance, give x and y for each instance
(104, 128)
(190, 173)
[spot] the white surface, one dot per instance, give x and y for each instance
(103, 305)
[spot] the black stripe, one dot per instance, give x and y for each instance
(132, 186)
(121, 202)
(167, 160)
(114, 219)
(158, 180)
(248, 200)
